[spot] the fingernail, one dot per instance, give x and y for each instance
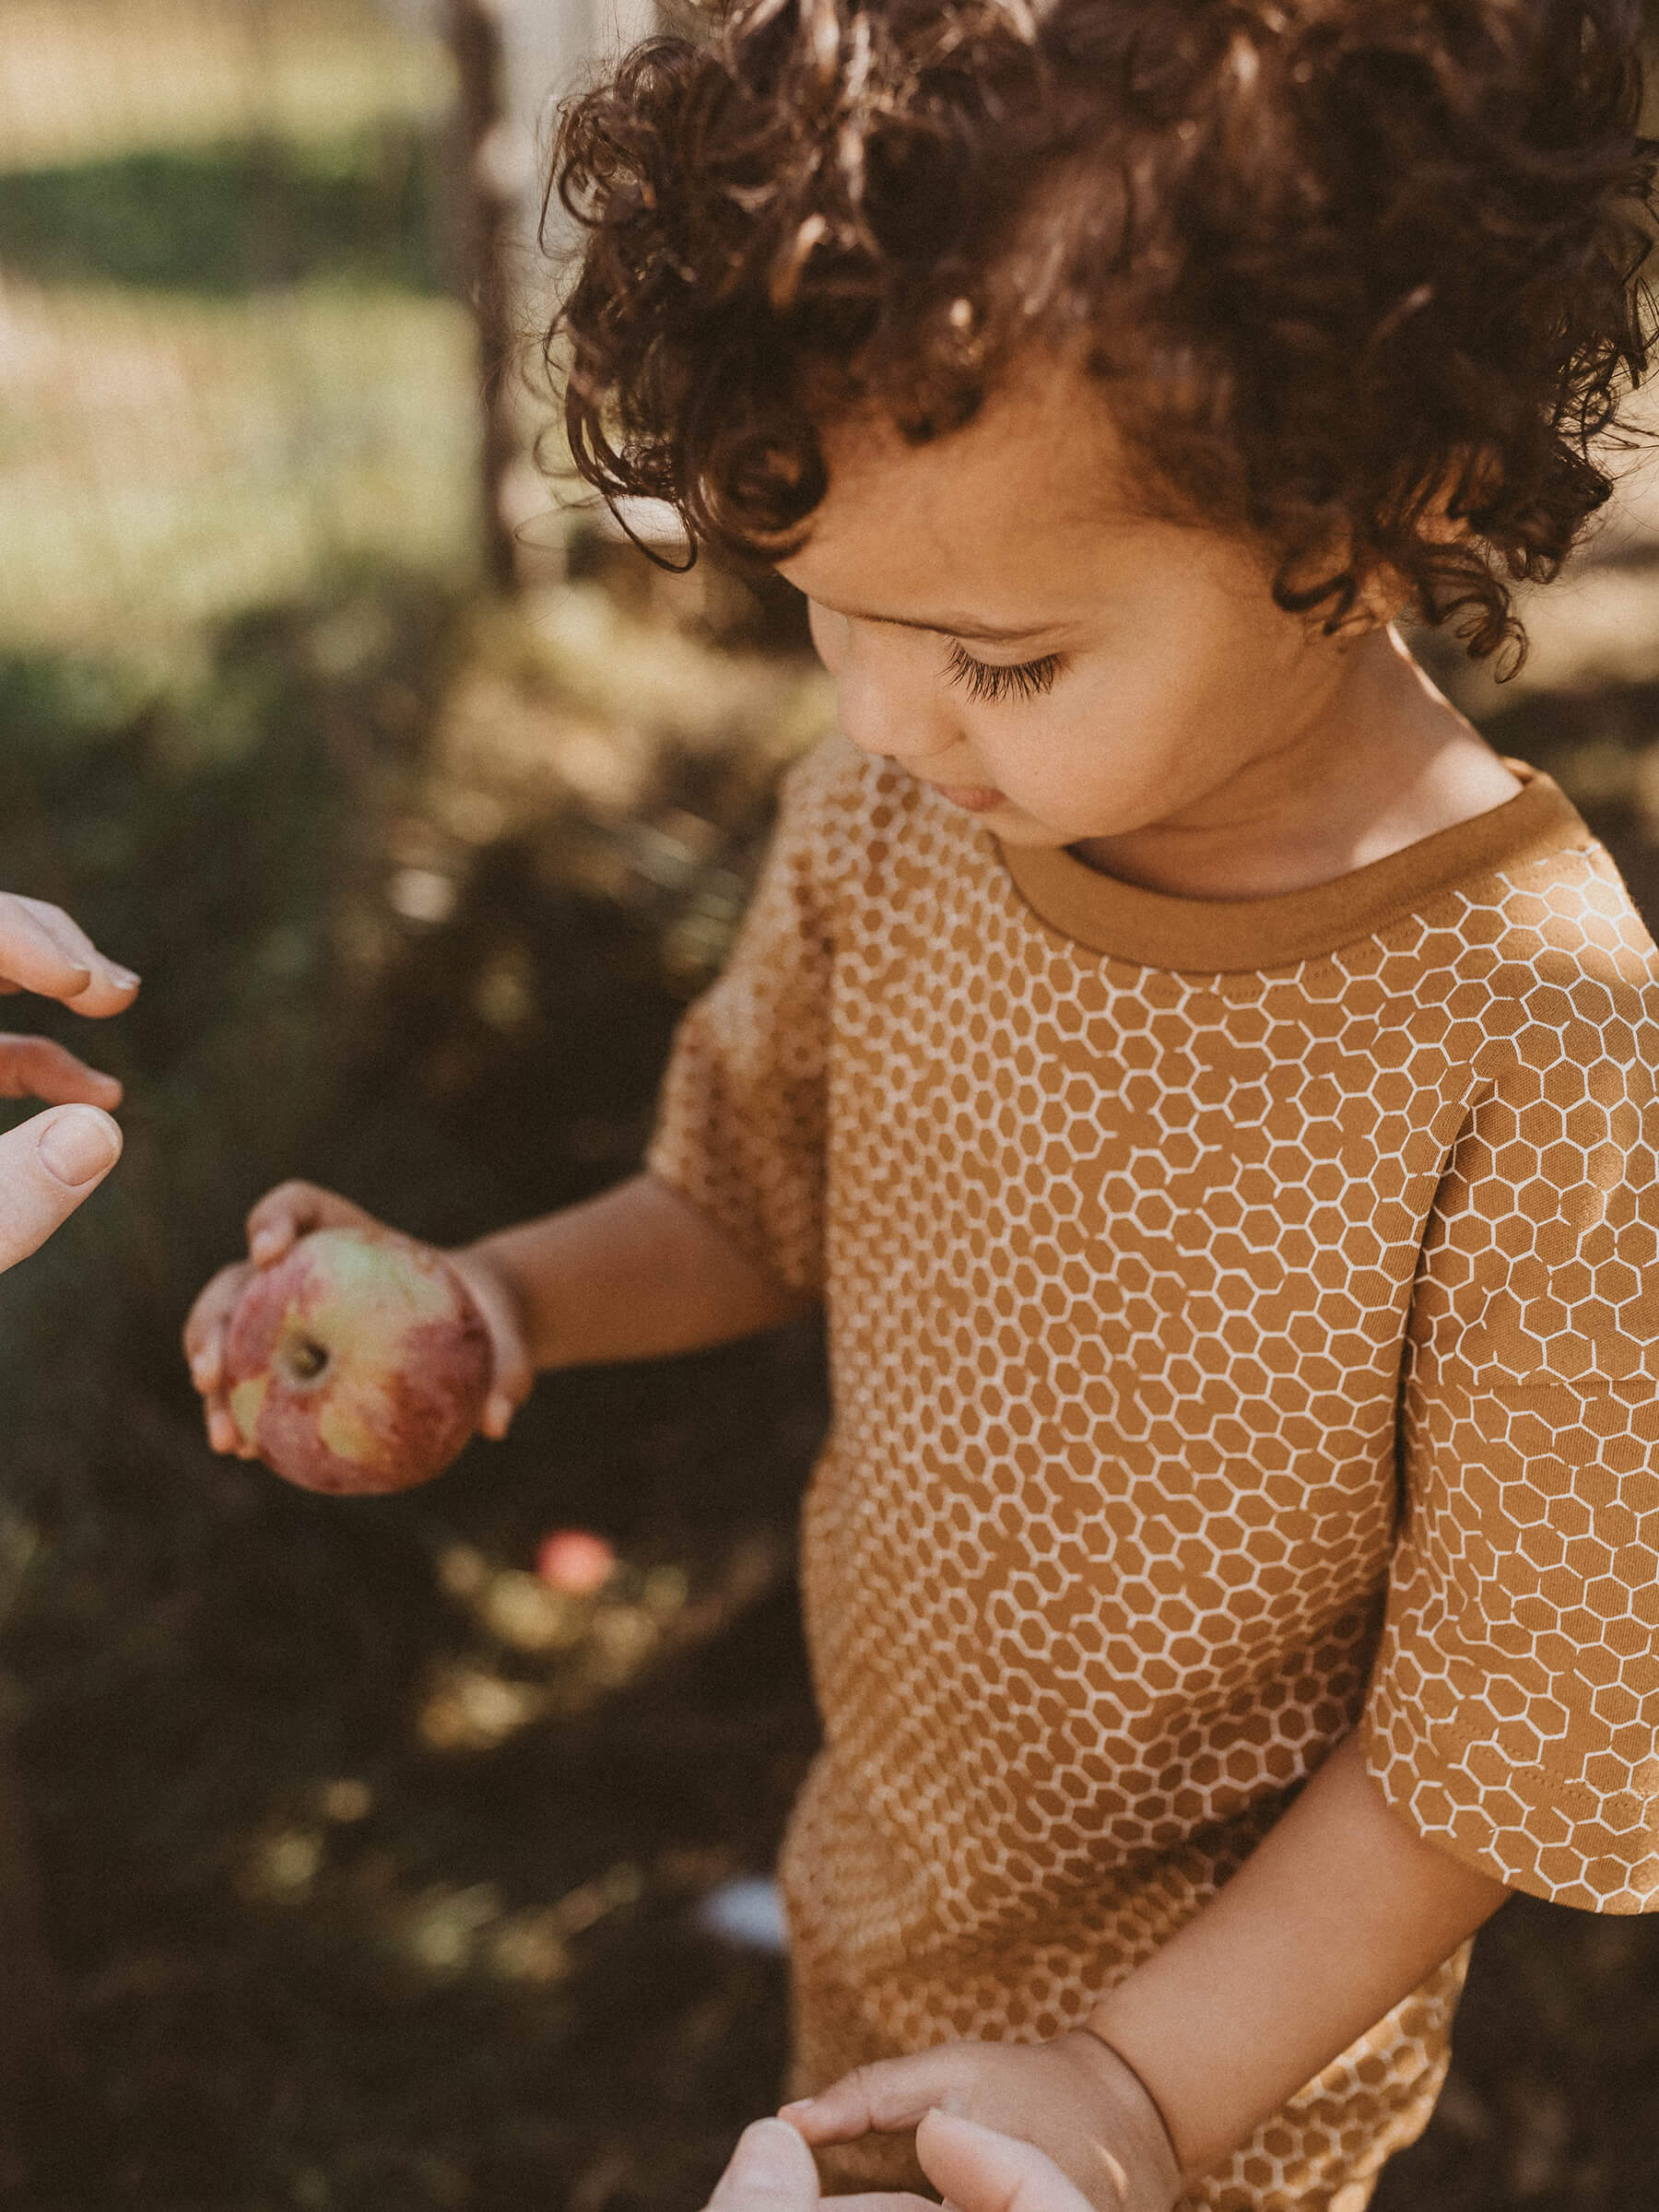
(124, 978)
(202, 1371)
(800, 2104)
(767, 2155)
(80, 1144)
(266, 1245)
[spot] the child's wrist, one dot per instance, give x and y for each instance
(1139, 2134)
(501, 1295)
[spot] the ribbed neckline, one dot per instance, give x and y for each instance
(1232, 935)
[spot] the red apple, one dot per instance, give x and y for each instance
(574, 1561)
(357, 1362)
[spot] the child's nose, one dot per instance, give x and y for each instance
(885, 710)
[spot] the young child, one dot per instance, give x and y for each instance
(1211, 1094)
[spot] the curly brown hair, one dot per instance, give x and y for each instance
(1362, 277)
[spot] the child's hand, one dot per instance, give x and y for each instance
(43, 950)
(283, 1216)
(1074, 2099)
(772, 2171)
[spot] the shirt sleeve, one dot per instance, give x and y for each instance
(1514, 1712)
(740, 1123)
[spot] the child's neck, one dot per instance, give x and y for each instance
(1381, 761)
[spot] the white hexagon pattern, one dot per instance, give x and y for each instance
(1180, 1322)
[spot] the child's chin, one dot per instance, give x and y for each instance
(1016, 828)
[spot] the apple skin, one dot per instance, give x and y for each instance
(357, 1362)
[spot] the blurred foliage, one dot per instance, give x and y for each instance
(166, 459)
(215, 218)
(230, 351)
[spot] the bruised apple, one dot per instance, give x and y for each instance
(357, 1362)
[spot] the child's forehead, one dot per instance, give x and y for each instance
(993, 530)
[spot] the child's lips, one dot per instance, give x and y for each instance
(975, 798)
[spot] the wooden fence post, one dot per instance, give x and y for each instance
(485, 228)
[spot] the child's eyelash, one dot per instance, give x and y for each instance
(985, 680)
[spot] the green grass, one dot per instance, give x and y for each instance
(227, 361)
(221, 218)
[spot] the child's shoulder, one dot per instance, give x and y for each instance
(1545, 950)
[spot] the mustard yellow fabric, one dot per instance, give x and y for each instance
(1242, 1325)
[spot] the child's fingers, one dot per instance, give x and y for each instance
(223, 1435)
(44, 949)
(206, 1324)
(47, 1167)
(291, 1211)
(979, 2171)
(34, 1067)
(511, 1377)
(206, 1330)
(883, 2099)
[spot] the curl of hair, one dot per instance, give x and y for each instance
(1362, 277)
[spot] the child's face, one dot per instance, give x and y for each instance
(1001, 623)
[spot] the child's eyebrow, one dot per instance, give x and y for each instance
(984, 634)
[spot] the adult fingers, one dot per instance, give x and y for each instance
(882, 2099)
(770, 2170)
(511, 1377)
(880, 2200)
(291, 1211)
(47, 1167)
(34, 1067)
(46, 950)
(979, 2171)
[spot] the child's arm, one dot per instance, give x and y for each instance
(635, 1274)
(1339, 1912)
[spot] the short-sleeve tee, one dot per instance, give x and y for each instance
(1243, 1324)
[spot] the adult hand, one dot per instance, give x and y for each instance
(51, 1164)
(283, 1216)
(975, 2168)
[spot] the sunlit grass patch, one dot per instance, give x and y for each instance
(81, 78)
(164, 460)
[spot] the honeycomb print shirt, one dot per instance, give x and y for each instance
(1243, 1324)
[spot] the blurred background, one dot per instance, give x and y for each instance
(343, 1861)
